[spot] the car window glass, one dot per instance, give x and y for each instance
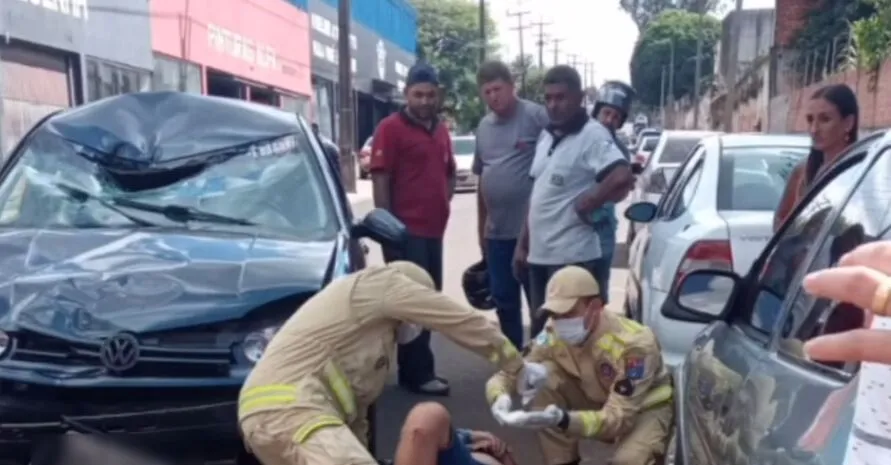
(678, 181)
(687, 191)
(677, 148)
(754, 178)
(866, 217)
(778, 279)
(649, 144)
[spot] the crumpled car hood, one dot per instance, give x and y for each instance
(90, 283)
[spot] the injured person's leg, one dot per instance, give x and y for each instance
(429, 437)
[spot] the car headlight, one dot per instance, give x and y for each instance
(255, 343)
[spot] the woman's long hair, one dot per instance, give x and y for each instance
(843, 99)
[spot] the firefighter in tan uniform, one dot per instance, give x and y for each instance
(305, 402)
(606, 380)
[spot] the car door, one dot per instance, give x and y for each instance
(668, 221)
(728, 405)
(813, 401)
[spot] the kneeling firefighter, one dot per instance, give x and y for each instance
(305, 401)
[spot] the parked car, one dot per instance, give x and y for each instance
(747, 393)
(365, 158)
(644, 149)
(718, 212)
(463, 147)
(647, 132)
(149, 254)
(671, 150)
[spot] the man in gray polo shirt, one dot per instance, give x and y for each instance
(505, 146)
(577, 169)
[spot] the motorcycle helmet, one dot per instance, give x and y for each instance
(617, 95)
(475, 282)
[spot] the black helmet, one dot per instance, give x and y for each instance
(475, 282)
(615, 94)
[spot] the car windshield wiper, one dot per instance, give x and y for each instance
(81, 195)
(176, 213)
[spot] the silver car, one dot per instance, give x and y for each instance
(463, 148)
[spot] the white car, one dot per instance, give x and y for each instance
(717, 214)
(671, 150)
(644, 149)
(463, 147)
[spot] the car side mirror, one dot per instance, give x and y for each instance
(702, 296)
(641, 212)
(382, 227)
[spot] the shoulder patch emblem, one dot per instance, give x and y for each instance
(624, 387)
(607, 371)
(634, 368)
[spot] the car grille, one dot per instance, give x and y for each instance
(154, 361)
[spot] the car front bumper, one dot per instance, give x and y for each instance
(179, 424)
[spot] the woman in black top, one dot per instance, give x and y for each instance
(833, 119)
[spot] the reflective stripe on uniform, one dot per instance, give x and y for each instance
(657, 397)
(591, 422)
(341, 388)
(505, 352)
(322, 421)
(266, 397)
(493, 390)
(612, 345)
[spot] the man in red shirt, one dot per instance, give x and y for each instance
(413, 172)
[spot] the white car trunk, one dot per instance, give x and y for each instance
(749, 233)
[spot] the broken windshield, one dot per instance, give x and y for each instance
(272, 187)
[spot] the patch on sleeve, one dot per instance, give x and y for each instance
(634, 368)
(624, 387)
(542, 339)
(607, 371)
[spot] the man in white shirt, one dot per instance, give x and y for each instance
(577, 169)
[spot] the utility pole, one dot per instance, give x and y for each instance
(697, 74)
(483, 43)
(671, 72)
(521, 29)
(662, 99)
(345, 91)
(541, 41)
(732, 58)
(556, 43)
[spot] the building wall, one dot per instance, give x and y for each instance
(394, 20)
(266, 41)
(756, 37)
(791, 16)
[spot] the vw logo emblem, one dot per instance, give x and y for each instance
(120, 352)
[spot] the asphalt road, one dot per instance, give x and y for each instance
(466, 372)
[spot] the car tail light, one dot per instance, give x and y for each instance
(711, 254)
(657, 183)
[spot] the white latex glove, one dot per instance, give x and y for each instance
(501, 408)
(550, 417)
(531, 380)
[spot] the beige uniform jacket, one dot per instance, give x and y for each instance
(333, 355)
(619, 367)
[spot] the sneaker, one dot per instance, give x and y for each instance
(435, 387)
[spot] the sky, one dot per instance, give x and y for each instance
(596, 31)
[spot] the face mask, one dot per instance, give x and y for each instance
(407, 332)
(571, 330)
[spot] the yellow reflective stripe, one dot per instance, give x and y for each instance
(265, 397)
(611, 344)
(263, 391)
(506, 352)
(493, 390)
(631, 326)
(591, 423)
(656, 397)
(306, 431)
(341, 389)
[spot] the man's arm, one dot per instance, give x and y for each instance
(613, 178)
(409, 301)
(502, 382)
(451, 170)
(482, 212)
(383, 153)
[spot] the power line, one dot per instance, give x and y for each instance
(521, 28)
(541, 41)
(556, 43)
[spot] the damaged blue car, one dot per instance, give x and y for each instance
(150, 246)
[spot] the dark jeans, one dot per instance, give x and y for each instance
(505, 288)
(416, 365)
(538, 282)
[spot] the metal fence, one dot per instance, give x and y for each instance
(816, 64)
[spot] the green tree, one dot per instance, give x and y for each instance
(676, 29)
(644, 11)
(448, 38)
(534, 82)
